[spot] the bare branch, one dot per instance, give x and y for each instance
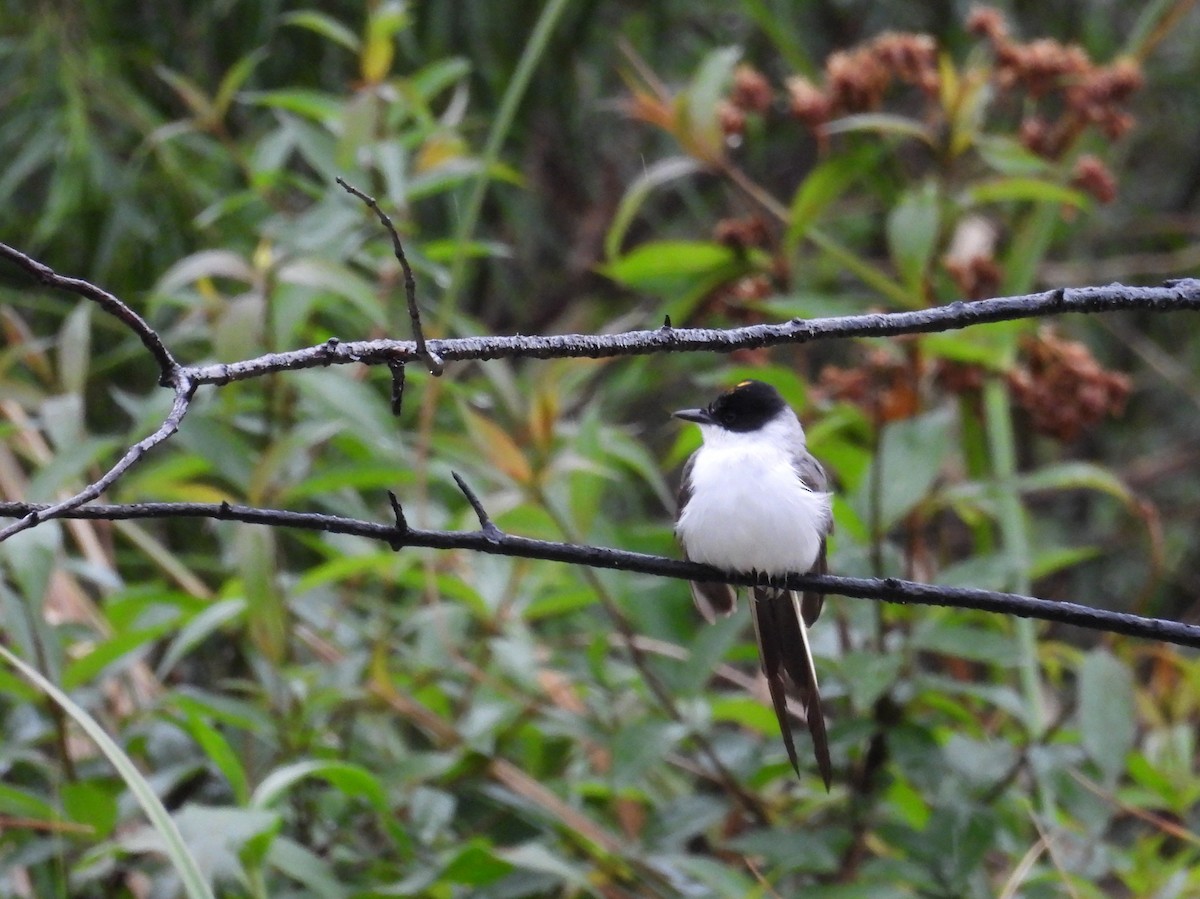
(38, 514)
(1174, 296)
(436, 366)
(500, 543)
(167, 366)
(486, 525)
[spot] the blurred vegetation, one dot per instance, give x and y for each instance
(323, 717)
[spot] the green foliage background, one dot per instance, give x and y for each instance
(323, 717)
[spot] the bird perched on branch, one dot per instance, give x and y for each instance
(753, 500)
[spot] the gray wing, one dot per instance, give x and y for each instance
(812, 475)
(712, 598)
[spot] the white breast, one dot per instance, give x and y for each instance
(749, 510)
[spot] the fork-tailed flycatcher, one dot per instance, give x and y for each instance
(753, 500)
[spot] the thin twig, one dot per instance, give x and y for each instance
(38, 514)
(504, 544)
(401, 522)
(167, 366)
(486, 525)
(436, 366)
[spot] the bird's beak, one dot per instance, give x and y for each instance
(699, 416)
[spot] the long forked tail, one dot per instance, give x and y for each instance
(783, 648)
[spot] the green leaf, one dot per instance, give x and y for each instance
(533, 856)
(912, 234)
(1076, 476)
(882, 123)
(220, 753)
(315, 105)
(438, 76)
(75, 350)
(943, 635)
(190, 93)
(780, 847)
(226, 839)
(340, 281)
(1009, 156)
(640, 747)
(205, 264)
(705, 653)
(1057, 559)
(744, 711)
(651, 178)
(173, 844)
(866, 271)
(869, 675)
(266, 609)
(988, 346)
(710, 84)
(326, 26)
(103, 656)
(350, 779)
(430, 812)
(1021, 189)
(304, 866)
(983, 571)
(19, 803)
(665, 267)
(379, 46)
(1028, 247)
(69, 464)
(820, 187)
(30, 557)
(92, 803)
(911, 453)
(1107, 712)
(237, 75)
(199, 628)
(476, 865)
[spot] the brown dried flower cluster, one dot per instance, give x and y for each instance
(751, 90)
(976, 277)
(858, 79)
(883, 385)
(742, 233)
(731, 118)
(987, 22)
(1050, 71)
(737, 302)
(1093, 176)
(808, 104)
(1064, 388)
(751, 94)
(958, 377)
(1069, 92)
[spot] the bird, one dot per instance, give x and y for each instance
(753, 500)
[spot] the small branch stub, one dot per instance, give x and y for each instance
(397, 370)
(401, 522)
(486, 525)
